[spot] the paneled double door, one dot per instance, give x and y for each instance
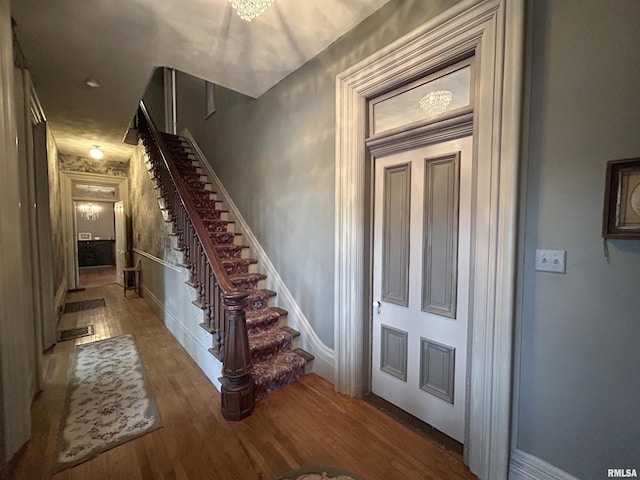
(421, 265)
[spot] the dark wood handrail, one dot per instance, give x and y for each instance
(237, 383)
(228, 289)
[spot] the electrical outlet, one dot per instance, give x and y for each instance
(551, 261)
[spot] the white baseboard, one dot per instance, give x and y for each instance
(524, 466)
(61, 293)
(324, 361)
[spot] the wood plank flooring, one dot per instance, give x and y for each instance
(95, 276)
(304, 424)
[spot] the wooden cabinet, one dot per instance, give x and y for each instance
(96, 252)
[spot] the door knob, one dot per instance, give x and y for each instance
(376, 305)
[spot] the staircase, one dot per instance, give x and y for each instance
(275, 363)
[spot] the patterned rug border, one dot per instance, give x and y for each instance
(151, 410)
(317, 472)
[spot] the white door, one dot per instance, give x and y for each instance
(422, 203)
(121, 241)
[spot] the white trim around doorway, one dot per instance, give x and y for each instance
(493, 31)
(66, 185)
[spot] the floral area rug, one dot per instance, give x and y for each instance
(318, 473)
(108, 401)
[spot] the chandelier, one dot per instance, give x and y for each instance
(250, 9)
(89, 211)
(434, 103)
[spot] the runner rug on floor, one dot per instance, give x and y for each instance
(108, 401)
(318, 473)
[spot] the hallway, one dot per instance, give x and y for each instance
(96, 276)
(304, 424)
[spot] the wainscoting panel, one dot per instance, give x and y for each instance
(164, 289)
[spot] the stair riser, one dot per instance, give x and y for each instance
(260, 303)
(265, 325)
(220, 226)
(233, 253)
(250, 284)
(269, 351)
(264, 389)
(236, 269)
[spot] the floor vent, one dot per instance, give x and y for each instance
(84, 305)
(77, 332)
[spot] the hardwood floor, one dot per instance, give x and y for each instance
(304, 424)
(96, 276)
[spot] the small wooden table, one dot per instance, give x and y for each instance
(131, 273)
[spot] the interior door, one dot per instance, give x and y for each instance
(421, 254)
(121, 241)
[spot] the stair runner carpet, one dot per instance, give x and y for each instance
(275, 365)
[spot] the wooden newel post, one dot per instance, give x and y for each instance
(237, 383)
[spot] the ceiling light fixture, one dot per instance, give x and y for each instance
(434, 103)
(250, 9)
(96, 153)
(89, 211)
(92, 82)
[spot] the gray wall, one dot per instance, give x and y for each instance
(579, 405)
(104, 226)
(154, 98)
(276, 155)
(150, 231)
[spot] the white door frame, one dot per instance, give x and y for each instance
(494, 31)
(66, 185)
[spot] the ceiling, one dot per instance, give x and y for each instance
(120, 42)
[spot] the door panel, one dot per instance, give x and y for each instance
(422, 234)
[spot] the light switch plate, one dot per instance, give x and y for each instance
(551, 261)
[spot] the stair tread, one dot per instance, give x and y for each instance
(248, 261)
(198, 304)
(269, 339)
(291, 331)
(263, 312)
(304, 354)
(262, 292)
(225, 247)
(262, 319)
(238, 276)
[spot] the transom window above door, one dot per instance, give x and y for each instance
(84, 190)
(440, 95)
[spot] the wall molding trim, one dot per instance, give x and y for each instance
(493, 31)
(323, 364)
(158, 260)
(524, 466)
